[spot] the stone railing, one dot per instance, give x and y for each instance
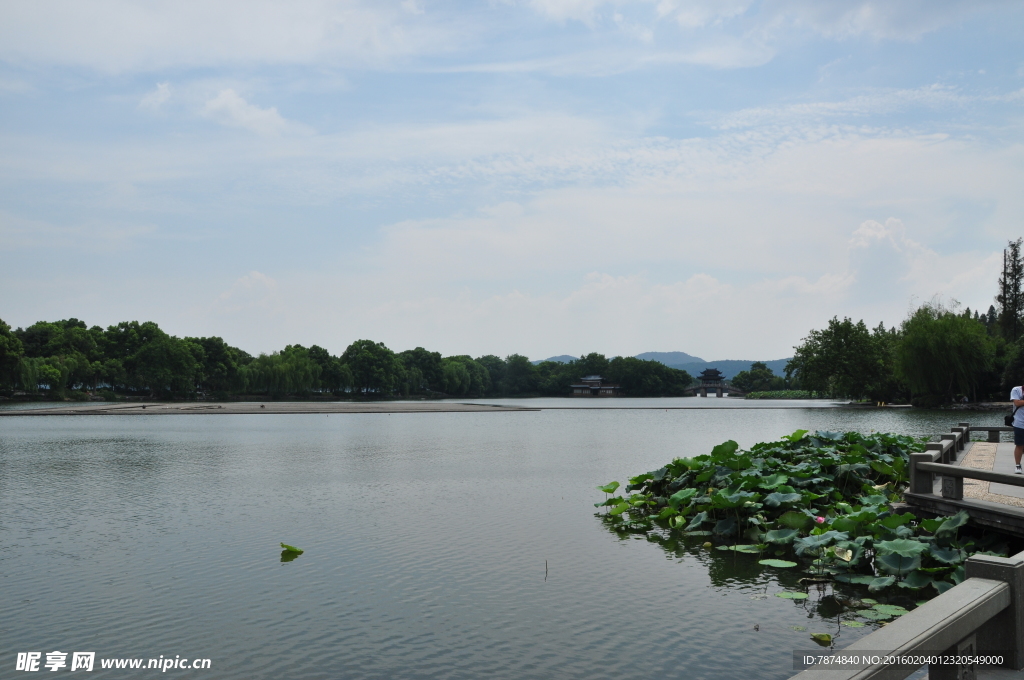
(983, 616)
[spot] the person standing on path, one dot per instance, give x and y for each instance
(1017, 397)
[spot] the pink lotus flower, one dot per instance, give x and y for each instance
(819, 520)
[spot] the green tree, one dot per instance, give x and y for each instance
(423, 370)
(496, 370)
(1011, 291)
(941, 354)
(165, 364)
(843, 360)
(520, 376)
(640, 378)
(11, 353)
(759, 378)
(375, 368)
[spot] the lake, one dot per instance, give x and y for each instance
(426, 538)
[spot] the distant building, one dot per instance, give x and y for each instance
(592, 386)
(711, 378)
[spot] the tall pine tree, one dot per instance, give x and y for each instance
(1011, 291)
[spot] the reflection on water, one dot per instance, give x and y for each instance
(427, 539)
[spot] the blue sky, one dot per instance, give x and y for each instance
(545, 177)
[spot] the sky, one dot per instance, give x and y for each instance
(540, 177)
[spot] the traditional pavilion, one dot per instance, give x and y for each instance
(592, 386)
(711, 378)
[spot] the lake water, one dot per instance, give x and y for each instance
(425, 538)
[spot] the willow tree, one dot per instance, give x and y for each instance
(941, 354)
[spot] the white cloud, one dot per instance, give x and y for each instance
(255, 292)
(133, 35)
(157, 98)
(229, 108)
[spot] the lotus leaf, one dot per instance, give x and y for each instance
(680, 497)
(795, 520)
(947, 555)
(725, 527)
(916, 579)
(958, 575)
(788, 595)
(697, 520)
(893, 521)
(802, 545)
(746, 548)
(609, 487)
(874, 614)
(822, 638)
(724, 450)
(853, 624)
(772, 481)
(796, 436)
(893, 563)
(902, 547)
(781, 564)
(696, 533)
(941, 586)
(881, 583)
(798, 629)
(781, 535)
(844, 524)
(291, 549)
(774, 500)
(951, 525)
(931, 525)
(619, 509)
(893, 609)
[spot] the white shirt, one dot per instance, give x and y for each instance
(1018, 418)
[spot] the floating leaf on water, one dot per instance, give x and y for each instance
(874, 614)
(781, 564)
(868, 600)
(696, 533)
(750, 549)
(893, 609)
(853, 624)
(291, 548)
(792, 596)
(822, 638)
(798, 629)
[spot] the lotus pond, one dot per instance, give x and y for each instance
(424, 542)
(828, 504)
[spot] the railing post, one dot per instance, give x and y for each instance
(993, 436)
(950, 453)
(939, 449)
(961, 437)
(920, 481)
(1004, 633)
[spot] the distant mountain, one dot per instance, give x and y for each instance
(670, 358)
(729, 367)
(560, 359)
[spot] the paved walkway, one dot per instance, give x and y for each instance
(998, 458)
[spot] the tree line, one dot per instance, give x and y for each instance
(937, 355)
(67, 359)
